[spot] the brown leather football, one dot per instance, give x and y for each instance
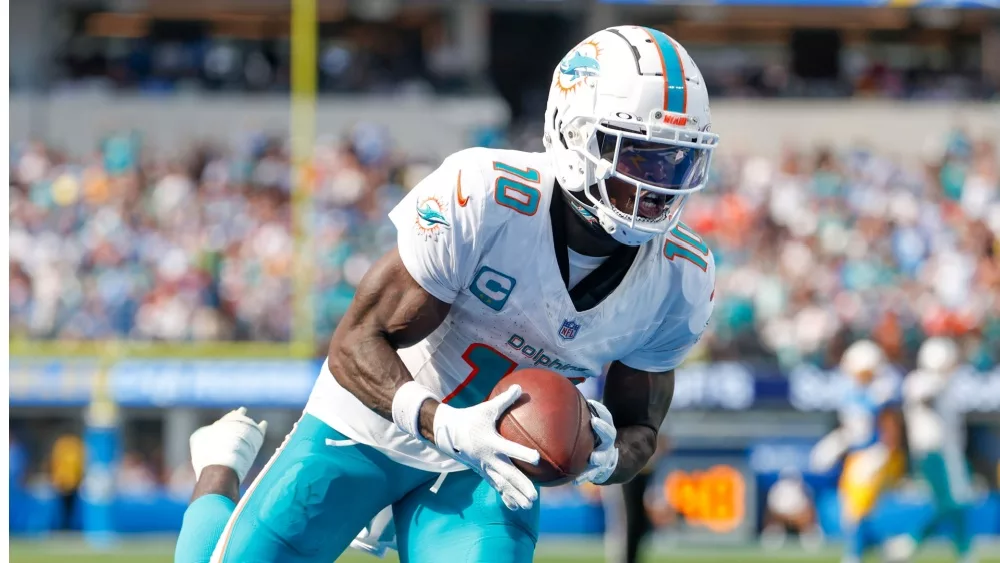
(552, 417)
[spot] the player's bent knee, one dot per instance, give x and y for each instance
(465, 520)
(502, 543)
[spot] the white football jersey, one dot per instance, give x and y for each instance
(477, 234)
(933, 420)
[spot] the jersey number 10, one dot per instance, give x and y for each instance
(516, 194)
(488, 368)
(694, 249)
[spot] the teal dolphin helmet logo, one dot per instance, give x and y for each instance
(579, 66)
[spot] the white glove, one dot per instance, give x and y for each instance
(232, 441)
(604, 459)
(827, 452)
(470, 436)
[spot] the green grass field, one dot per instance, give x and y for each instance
(72, 550)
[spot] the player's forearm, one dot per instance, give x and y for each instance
(217, 480)
(639, 401)
(368, 367)
(390, 311)
(636, 446)
(376, 373)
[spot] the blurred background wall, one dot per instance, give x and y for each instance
(172, 255)
(81, 121)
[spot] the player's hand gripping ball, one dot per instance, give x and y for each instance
(552, 417)
(604, 460)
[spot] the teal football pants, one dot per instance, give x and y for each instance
(948, 477)
(204, 521)
(321, 488)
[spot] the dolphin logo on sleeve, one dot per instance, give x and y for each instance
(430, 215)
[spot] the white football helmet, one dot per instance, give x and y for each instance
(862, 360)
(629, 102)
(938, 355)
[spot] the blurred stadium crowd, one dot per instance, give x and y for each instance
(814, 249)
(818, 249)
(399, 63)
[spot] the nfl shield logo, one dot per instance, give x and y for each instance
(569, 330)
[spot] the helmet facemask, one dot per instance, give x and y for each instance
(654, 168)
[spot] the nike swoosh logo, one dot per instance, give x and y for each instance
(461, 200)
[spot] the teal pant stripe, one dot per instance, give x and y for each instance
(676, 85)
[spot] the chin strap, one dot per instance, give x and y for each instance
(583, 216)
(606, 222)
(557, 215)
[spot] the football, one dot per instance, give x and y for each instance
(552, 417)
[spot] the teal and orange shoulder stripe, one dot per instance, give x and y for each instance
(674, 84)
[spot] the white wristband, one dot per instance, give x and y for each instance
(406, 407)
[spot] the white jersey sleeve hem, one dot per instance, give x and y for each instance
(414, 268)
(653, 367)
(678, 332)
(440, 227)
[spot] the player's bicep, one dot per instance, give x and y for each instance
(638, 397)
(389, 303)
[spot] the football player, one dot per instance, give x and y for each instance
(935, 431)
(222, 454)
(567, 260)
(871, 436)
